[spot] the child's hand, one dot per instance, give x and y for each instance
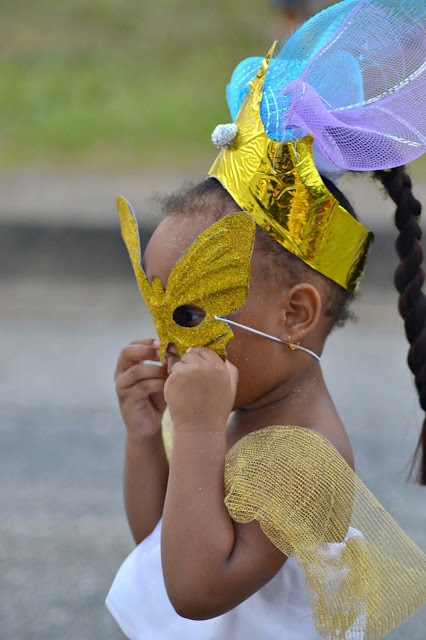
(200, 390)
(140, 388)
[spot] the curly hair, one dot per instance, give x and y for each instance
(280, 265)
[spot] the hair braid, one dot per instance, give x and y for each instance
(409, 280)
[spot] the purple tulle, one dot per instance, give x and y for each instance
(386, 128)
(354, 77)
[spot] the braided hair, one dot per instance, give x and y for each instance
(409, 280)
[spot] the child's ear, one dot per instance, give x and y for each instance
(301, 306)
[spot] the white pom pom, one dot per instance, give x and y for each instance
(224, 135)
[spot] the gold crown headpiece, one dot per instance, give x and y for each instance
(278, 183)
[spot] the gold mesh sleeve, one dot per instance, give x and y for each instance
(364, 575)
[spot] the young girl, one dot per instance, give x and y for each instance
(249, 518)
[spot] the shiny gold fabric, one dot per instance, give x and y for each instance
(280, 186)
(213, 274)
(364, 575)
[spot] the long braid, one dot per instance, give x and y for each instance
(409, 280)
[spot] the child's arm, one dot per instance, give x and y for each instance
(139, 388)
(210, 563)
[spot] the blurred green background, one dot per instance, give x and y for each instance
(120, 83)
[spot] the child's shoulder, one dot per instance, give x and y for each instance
(280, 440)
(336, 435)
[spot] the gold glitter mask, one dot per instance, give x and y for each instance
(213, 274)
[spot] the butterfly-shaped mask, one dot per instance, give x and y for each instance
(212, 274)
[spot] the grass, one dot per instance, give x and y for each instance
(115, 83)
(120, 84)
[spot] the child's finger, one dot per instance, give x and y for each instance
(148, 341)
(233, 376)
(135, 353)
(141, 390)
(201, 352)
(138, 372)
(147, 387)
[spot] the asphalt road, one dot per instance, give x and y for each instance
(63, 532)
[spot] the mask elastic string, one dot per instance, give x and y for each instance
(266, 335)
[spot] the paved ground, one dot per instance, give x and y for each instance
(62, 531)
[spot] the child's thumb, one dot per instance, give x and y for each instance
(233, 376)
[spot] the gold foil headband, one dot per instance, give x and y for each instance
(280, 186)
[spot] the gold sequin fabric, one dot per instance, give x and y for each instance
(280, 186)
(212, 274)
(364, 575)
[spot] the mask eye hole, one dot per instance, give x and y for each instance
(189, 315)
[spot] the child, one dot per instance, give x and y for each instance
(249, 518)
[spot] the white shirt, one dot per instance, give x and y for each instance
(139, 603)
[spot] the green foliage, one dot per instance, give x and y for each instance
(121, 83)
(113, 83)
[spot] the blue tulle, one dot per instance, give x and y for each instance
(354, 77)
(290, 63)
